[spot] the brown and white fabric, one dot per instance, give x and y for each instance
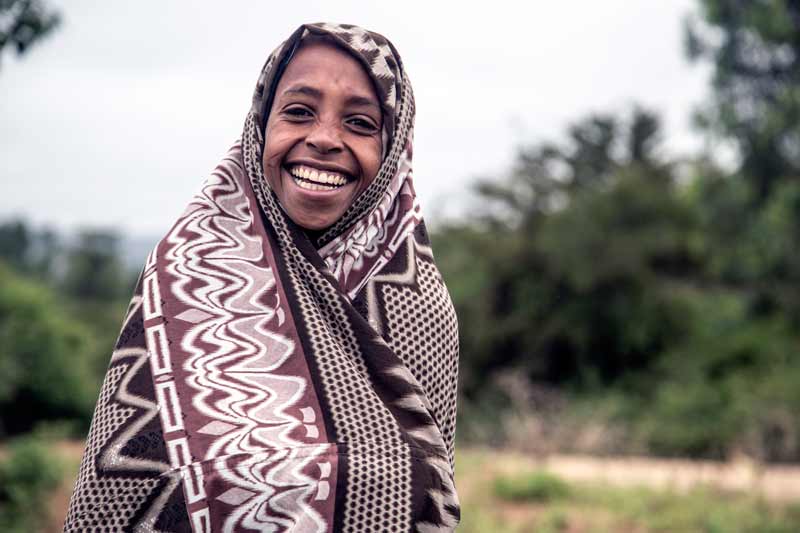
(265, 382)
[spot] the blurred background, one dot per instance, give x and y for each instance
(612, 191)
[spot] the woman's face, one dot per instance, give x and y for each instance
(323, 136)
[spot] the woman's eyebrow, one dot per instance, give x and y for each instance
(304, 89)
(362, 101)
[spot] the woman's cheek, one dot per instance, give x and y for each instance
(276, 147)
(372, 160)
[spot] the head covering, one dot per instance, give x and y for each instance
(263, 381)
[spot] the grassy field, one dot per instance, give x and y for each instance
(505, 493)
(500, 496)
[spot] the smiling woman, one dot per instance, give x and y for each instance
(289, 358)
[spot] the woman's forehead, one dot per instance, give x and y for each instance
(375, 52)
(319, 65)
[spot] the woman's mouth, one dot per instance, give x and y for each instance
(313, 179)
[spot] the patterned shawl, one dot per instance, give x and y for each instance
(265, 382)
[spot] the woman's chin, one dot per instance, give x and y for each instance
(314, 217)
(313, 224)
(316, 209)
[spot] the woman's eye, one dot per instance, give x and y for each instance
(363, 125)
(298, 112)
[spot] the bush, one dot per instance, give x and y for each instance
(731, 386)
(28, 475)
(537, 486)
(43, 357)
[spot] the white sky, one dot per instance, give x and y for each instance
(117, 117)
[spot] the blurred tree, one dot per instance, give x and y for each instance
(745, 248)
(616, 256)
(571, 268)
(25, 22)
(590, 160)
(94, 271)
(775, 236)
(731, 383)
(45, 253)
(97, 290)
(754, 47)
(546, 176)
(43, 357)
(594, 269)
(591, 267)
(29, 473)
(15, 243)
(29, 251)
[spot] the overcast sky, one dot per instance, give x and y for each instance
(116, 118)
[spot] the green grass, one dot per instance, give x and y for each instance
(702, 510)
(500, 496)
(503, 493)
(537, 486)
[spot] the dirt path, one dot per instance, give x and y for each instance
(779, 483)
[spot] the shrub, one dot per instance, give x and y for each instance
(27, 476)
(43, 357)
(537, 486)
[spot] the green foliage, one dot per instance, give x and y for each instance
(564, 277)
(729, 386)
(60, 309)
(699, 510)
(26, 250)
(612, 252)
(538, 486)
(598, 270)
(24, 23)
(15, 243)
(724, 207)
(754, 49)
(94, 271)
(28, 474)
(43, 359)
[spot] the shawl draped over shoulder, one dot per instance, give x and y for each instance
(263, 381)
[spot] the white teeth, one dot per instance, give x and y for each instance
(314, 186)
(319, 177)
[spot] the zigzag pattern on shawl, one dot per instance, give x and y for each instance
(119, 421)
(340, 364)
(371, 243)
(324, 315)
(214, 243)
(113, 458)
(444, 500)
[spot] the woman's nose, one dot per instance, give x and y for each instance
(325, 138)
